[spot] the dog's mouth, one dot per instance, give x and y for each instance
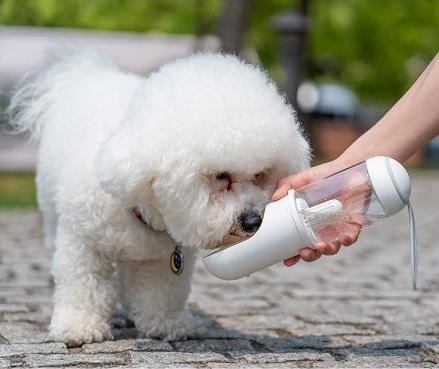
(235, 235)
(238, 233)
(230, 240)
(244, 227)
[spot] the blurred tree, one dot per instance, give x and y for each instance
(233, 24)
(129, 15)
(292, 28)
(375, 47)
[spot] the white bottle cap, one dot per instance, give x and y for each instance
(391, 183)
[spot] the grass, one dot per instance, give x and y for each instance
(17, 190)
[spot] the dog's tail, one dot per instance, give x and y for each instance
(37, 90)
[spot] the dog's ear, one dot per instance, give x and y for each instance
(125, 169)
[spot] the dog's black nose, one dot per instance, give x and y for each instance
(251, 222)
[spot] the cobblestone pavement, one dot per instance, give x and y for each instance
(353, 310)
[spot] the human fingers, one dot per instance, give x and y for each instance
(291, 261)
(282, 188)
(287, 183)
(350, 239)
(321, 247)
(295, 181)
(328, 248)
(309, 255)
(333, 249)
(303, 178)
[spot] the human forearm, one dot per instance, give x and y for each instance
(410, 124)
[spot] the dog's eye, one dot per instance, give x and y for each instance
(260, 178)
(220, 176)
(224, 180)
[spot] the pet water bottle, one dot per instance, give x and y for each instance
(326, 210)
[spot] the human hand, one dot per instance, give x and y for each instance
(299, 180)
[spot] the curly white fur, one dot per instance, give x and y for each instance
(111, 140)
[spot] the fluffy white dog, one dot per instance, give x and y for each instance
(133, 171)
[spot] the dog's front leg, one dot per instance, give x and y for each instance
(84, 292)
(155, 297)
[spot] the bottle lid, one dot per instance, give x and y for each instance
(391, 183)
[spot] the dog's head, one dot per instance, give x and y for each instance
(202, 148)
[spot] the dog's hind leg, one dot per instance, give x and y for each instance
(84, 292)
(155, 298)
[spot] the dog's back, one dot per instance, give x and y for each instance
(70, 106)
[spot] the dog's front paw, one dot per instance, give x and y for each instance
(174, 327)
(75, 329)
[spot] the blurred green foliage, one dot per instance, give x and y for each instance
(17, 190)
(377, 47)
(174, 16)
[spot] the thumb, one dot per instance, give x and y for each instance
(287, 183)
(282, 188)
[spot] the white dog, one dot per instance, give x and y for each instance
(133, 171)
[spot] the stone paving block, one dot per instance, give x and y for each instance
(237, 307)
(430, 352)
(218, 332)
(60, 360)
(211, 345)
(386, 342)
(36, 317)
(13, 308)
(165, 366)
(289, 364)
(176, 357)
(23, 332)
(313, 342)
(383, 358)
(320, 329)
(27, 298)
(30, 284)
(408, 355)
(24, 349)
(287, 357)
(382, 362)
(340, 329)
(126, 345)
(266, 321)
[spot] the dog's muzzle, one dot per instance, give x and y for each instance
(247, 224)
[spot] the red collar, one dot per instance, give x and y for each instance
(138, 214)
(176, 261)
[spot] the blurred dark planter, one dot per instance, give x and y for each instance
(331, 136)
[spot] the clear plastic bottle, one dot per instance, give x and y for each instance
(339, 205)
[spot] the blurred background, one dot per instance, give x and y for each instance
(341, 63)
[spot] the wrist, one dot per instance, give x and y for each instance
(351, 157)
